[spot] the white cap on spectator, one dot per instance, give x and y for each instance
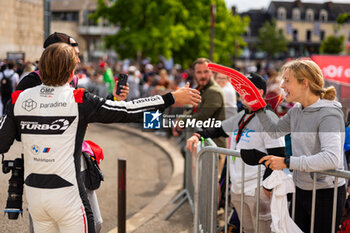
(132, 69)
(149, 67)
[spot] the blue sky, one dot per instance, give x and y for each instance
(244, 5)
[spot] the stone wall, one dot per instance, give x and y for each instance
(21, 28)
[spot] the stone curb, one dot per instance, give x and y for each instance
(171, 189)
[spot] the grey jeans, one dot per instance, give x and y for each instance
(249, 212)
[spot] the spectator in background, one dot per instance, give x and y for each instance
(3, 66)
(230, 97)
(163, 82)
(108, 77)
(19, 67)
(8, 83)
(183, 77)
(134, 84)
(163, 78)
(148, 70)
(273, 93)
(147, 87)
(212, 105)
(28, 68)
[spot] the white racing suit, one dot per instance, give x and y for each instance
(51, 123)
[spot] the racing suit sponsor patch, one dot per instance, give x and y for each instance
(29, 105)
(45, 125)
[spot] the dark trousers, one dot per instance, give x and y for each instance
(323, 209)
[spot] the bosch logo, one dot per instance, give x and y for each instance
(29, 105)
(61, 124)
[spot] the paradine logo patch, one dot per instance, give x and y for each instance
(29, 105)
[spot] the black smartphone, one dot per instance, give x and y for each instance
(122, 80)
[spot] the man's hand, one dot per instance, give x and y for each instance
(124, 91)
(192, 143)
(274, 162)
(187, 95)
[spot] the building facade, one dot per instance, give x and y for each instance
(306, 25)
(22, 29)
(72, 17)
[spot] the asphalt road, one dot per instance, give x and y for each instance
(148, 171)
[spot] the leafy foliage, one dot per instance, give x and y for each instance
(271, 40)
(172, 28)
(332, 45)
(343, 18)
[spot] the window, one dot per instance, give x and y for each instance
(309, 15)
(322, 35)
(308, 35)
(295, 35)
(71, 16)
(296, 14)
(281, 13)
(323, 15)
(87, 21)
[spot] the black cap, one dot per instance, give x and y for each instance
(58, 37)
(258, 81)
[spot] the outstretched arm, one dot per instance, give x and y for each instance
(274, 126)
(106, 111)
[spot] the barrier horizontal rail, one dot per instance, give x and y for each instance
(210, 149)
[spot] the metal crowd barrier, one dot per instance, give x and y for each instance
(208, 166)
(210, 150)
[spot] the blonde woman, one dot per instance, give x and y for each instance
(316, 125)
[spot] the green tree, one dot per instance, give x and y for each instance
(332, 45)
(271, 40)
(172, 28)
(343, 18)
(228, 39)
(146, 28)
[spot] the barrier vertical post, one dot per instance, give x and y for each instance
(313, 205)
(121, 195)
(258, 200)
(335, 198)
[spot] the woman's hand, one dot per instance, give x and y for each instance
(124, 91)
(274, 162)
(192, 143)
(187, 95)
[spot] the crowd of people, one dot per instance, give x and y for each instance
(293, 131)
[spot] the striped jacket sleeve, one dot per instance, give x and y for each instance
(97, 109)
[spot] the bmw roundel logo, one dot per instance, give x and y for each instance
(35, 149)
